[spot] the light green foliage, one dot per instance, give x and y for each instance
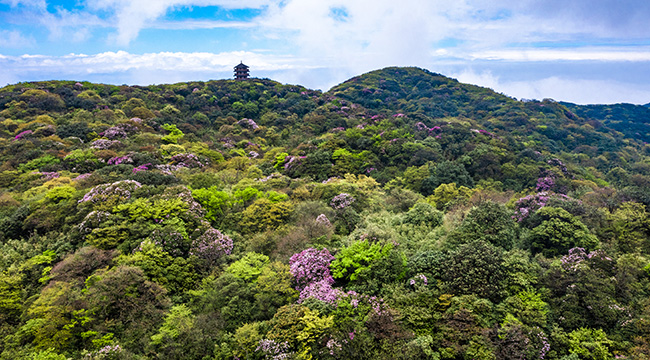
(157, 209)
(38, 163)
(631, 225)
(447, 193)
(424, 214)
(172, 149)
(279, 160)
(247, 338)
(48, 354)
(10, 296)
(245, 195)
(528, 308)
(300, 327)
(264, 215)
(213, 200)
(274, 288)
(249, 267)
(179, 320)
(60, 193)
(276, 197)
(174, 134)
(590, 344)
(357, 258)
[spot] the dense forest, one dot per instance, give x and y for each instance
(400, 215)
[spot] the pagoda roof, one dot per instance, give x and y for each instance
(241, 66)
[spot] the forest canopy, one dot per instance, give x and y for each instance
(400, 215)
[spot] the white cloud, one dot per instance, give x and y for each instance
(133, 16)
(14, 39)
(200, 24)
(576, 54)
(576, 90)
(39, 4)
(159, 66)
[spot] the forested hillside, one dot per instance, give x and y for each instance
(400, 215)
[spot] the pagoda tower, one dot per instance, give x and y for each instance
(241, 71)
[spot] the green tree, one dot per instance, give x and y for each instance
(557, 232)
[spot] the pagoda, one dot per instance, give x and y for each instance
(241, 71)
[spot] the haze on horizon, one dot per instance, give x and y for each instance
(579, 51)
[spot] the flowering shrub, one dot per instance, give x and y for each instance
(187, 160)
(419, 278)
(120, 189)
(126, 159)
(211, 246)
(274, 350)
(420, 126)
(23, 135)
(93, 220)
(114, 132)
(341, 201)
(82, 176)
(167, 169)
(108, 352)
(47, 175)
(577, 256)
(249, 123)
(144, 167)
(311, 265)
(558, 163)
(103, 144)
(323, 220)
(484, 132)
(527, 205)
(321, 290)
(364, 304)
(545, 183)
(253, 154)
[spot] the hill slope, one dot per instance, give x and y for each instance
(400, 215)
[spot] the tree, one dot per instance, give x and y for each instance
(475, 268)
(490, 222)
(447, 172)
(557, 232)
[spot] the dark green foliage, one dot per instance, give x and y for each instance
(557, 232)
(490, 222)
(475, 268)
(447, 172)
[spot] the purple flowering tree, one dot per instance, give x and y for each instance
(545, 183)
(310, 266)
(320, 290)
(211, 246)
(341, 201)
(248, 123)
(274, 350)
(120, 189)
(23, 135)
(187, 160)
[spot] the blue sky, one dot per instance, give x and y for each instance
(584, 51)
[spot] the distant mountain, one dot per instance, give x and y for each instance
(631, 120)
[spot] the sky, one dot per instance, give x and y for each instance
(582, 51)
